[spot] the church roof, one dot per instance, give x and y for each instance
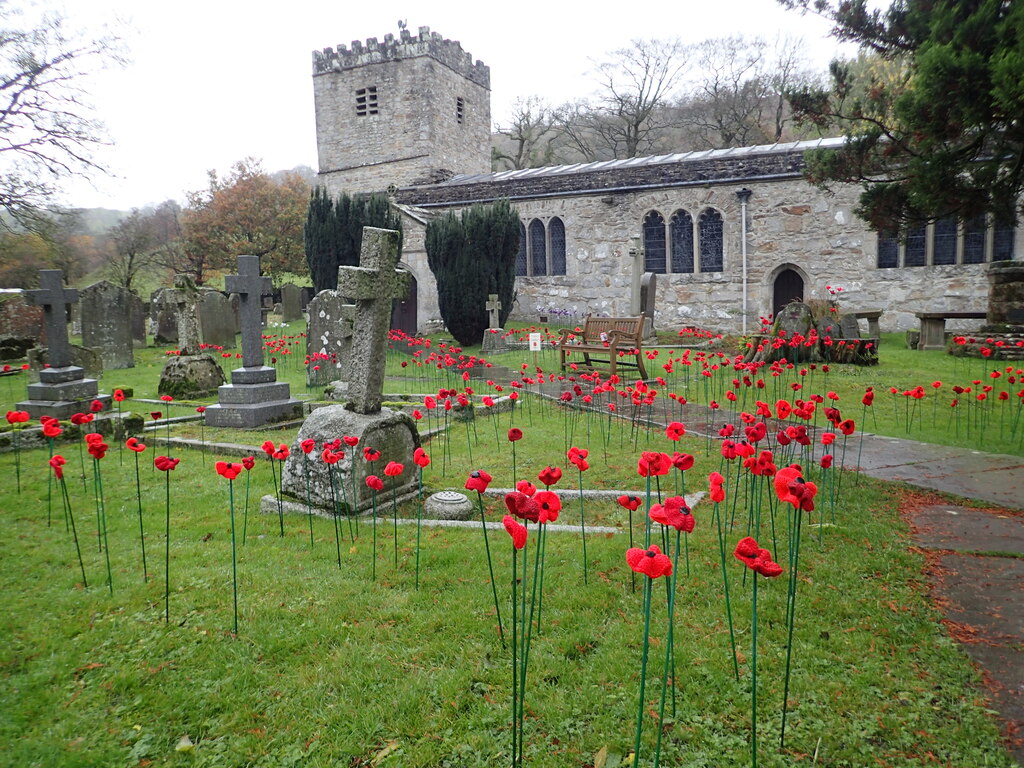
(733, 165)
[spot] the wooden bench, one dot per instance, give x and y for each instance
(933, 326)
(615, 339)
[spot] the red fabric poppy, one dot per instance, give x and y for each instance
(165, 463)
(166, 398)
(550, 475)
(846, 427)
(81, 418)
(98, 449)
(653, 463)
(478, 481)
(132, 444)
(869, 398)
(200, 409)
(17, 417)
(783, 409)
(675, 512)
(632, 503)
(118, 396)
(96, 406)
(93, 437)
(826, 461)
(58, 462)
(228, 469)
(523, 506)
(393, 469)
(525, 486)
(375, 483)
(716, 483)
(515, 434)
(269, 447)
(371, 454)
(307, 445)
(578, 456)
(420, 458)
(417, 414)
(281, 453)
(550, 504)
(827, 438)
(249, 462)
(650, 562)
(675, 430)
(516, 530)
(351, 441)
(682, 461)
(52, 429)
(783, 478)
(330, 457)
(728, 450)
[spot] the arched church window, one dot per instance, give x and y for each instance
(538, 248)
(556, 231)
(521, 268)
(1002, 240)
(944, 241)
(975, 235)
(888, 250)
(710, 239)
(915, 254)
(681, 229)
(654, 243)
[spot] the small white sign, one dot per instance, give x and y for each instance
(535, 342)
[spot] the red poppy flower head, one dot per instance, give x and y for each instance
(827, 438)
(248, 462)
(167, 398)
(96, 406)
(281, 453)
(650, 562)
(417, 414)
(80, 418)
(522, 506)
(228, 469)
(17, 417)
(629, 502)
(653, 463)
(578, 456)
(515, 434)
(826, 461)
(371, 454)
(393, 469)
(675, 513)
(52, 429)
(846, 427)
(420, 458)
(675, 430)
(307, 445)
(118, 395)
(525, 486)
(374, 483)
(57, 462)
(351, 441)
(165, 463)
(478, 481)
(550, 475)
(717, 485)
(550, 505)
(329, 456)
(200, 409)
(682, 461)
(98, 449)
(268, 447)
(516, 530)
(133, 444)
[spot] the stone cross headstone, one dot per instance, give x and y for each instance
(106, 315)
(251, 288)
(493, 307)
(291, 302)
(374, 284)
(54, 298)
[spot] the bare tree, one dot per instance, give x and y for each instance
(133, 247)
(528, 136)
(47, 131)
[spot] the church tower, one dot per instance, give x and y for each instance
(404, 112)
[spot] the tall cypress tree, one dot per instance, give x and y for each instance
(320, 239)
(472, 256)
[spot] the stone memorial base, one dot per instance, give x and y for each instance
(253, 398)
(494, 340)
(62, 392)
(393, 433)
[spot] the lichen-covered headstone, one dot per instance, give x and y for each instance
(192, 373)
(328, 337)
(794, 319)
(106, 316)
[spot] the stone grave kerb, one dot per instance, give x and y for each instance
(373, 285)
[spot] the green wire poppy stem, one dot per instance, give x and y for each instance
(309, 504)
(669, 652)
(167, 548)
(725, 583)
(753, 678)
(643, 669)
(142, 532)
(515, 665)
(490, 568)
(245, 516)
(791, 614)
(419, 518)
(103, 517)
(394, 513)
(234, 552)
(583, 531)
(74, 531)
(373, 567)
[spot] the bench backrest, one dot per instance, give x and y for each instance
(630, 327)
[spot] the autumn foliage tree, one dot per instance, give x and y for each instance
(247, 212)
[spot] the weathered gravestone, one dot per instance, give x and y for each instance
(648, 294)
(328, 341)
(236, 304)
(21, 325)
(789, 335)
(254, 396)
(494, 336)
(163, 316)
(216, 320)
(106, 315)
(291, 302)
(137, 319)
(62, 388)
(191, 373)
(1005, 295)
(849, 328)
(373, 285)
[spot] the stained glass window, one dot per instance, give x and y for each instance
(681, 228)
(710, 238)
(538, 248)
(1002, 241)
(915, 255)
(888, 251)
(556, 230)
(654, 243)
(975, 234)
(944, 241)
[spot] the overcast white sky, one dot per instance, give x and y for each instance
(210, 82)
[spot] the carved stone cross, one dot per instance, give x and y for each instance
(250, 288)
(493, 306)
(54, 298)
(373, 285)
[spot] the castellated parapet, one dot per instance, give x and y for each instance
(426, 43)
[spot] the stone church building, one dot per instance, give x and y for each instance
(733, 234)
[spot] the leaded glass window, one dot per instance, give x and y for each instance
(710, 239)
(521, 268)
(944, 241)
(538, 248)
(556, 231)
(915, 254)
(888, 251)
(654, 243)
(681, 228)
(975, 234)
(1002, 241)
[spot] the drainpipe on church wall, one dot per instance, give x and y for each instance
(744, 195)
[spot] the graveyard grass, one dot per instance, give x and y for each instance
(332, 669)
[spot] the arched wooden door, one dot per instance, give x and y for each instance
(403, 311)
(789, 286)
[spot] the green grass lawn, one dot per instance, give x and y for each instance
(331, 668)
